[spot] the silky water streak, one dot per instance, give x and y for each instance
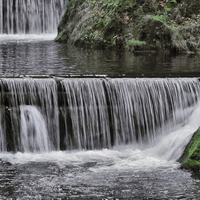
(30, 16)
(33, 130)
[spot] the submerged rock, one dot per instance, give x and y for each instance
(132, 25)
(190, 158)
(88, 164)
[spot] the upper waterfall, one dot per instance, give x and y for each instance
(30, 16)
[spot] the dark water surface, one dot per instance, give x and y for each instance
(29, 55)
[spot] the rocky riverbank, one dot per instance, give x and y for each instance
(168, 25)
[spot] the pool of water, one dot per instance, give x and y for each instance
(39, 54)
(106, 174)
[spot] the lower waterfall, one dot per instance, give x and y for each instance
(42, 115)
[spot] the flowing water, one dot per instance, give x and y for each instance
(88, 124)
(27, 16)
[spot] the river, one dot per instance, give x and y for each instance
(122, 172)
(79, 123)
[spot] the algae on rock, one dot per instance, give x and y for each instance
(132, 25)
(190, 158)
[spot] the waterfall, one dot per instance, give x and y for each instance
(30, 16)
(91, 113)
(33, 131)
(1, 16)
(16, 95)
(2, 137)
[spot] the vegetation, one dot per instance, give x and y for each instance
(191, 156)
(132, 24)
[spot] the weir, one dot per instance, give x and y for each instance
(30, 16)
(45, 114)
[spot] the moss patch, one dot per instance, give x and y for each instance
(191, 155)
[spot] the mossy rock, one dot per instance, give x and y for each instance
(190, 158)
(131, 25)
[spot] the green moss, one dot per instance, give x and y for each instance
(191, 155)
(161, 18)
(134, 44)
(191, 165)
(111, 3)
(61, 37)
(71, 5)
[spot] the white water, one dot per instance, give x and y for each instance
(94, 113)
(2, 140)
(42, 120)
(163, 154)
(171, 146)
(30, 16)
(1, 16)
(33, 134)
(140, 109)
(23, 38)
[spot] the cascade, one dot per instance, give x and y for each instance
(17, 93)
(30, 16)
(33, 130)
(45, 114)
